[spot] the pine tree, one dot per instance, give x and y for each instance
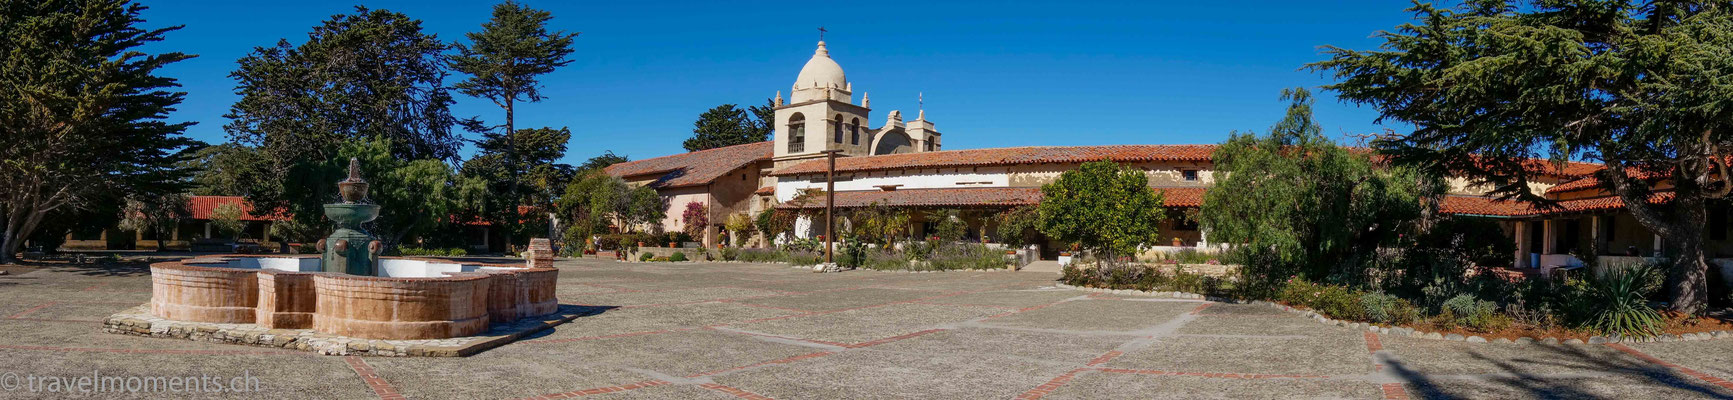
(504, 62)
(1639, 86)
(82, 111)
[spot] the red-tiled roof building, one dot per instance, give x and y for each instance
(902, 164)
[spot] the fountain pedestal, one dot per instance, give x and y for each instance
(350, 249)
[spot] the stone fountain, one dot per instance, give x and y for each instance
(350, 249)
(349, 300)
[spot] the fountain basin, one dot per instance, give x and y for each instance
(411, 299)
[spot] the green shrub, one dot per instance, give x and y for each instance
(966, 256)
(677, 256)
(1475, 314)
(802, 258)
(1151, 280)
(1186, 281)
(1616, 303)
(645, 256)
(1388, 309)
(730, 254)
(1072, 275)
(420, 252)
(1335, 301)
(886, 261)
(854, 254)
(760, 255)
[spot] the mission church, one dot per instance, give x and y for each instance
(904, 164)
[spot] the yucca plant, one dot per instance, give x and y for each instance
(1618, 305)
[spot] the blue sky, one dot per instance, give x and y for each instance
(994, 74)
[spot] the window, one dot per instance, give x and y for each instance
(1189, 174)
(854, 131)
(836, 126)
(796, 133)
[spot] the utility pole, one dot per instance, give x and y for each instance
(830, 208)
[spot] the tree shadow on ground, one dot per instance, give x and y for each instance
(582, 312)
(1517, 374)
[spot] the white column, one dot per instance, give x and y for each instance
(1657, 252)
(1595, 230)
(207, 230)
(1547, 242)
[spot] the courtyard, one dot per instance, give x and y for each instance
(724, 330)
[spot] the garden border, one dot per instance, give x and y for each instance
(1411, 332)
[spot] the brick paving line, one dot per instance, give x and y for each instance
(27, 311)
(914, 301)
(1051, 385)
(381, 388)
(96, 286)
(806, 356)
(809, 313)
(719, 328)
(1057, 382)
(734, 391)
(1219, 375)
(1392, 390)
(970, 305)
(600, 390)
(1711, 379)
(600, 337)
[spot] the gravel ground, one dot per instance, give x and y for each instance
(736, 330)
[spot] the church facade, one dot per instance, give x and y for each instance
(904, 164)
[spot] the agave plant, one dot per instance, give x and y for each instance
(1617, 298)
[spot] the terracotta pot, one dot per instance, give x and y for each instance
(673, 245)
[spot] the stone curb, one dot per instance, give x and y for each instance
(1414, 333)
(137, 321)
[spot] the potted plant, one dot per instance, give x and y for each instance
(1177, 242)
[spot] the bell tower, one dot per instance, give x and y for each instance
(820, 114)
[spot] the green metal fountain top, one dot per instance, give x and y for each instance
(351, 249)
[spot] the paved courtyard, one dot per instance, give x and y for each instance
(684, 331)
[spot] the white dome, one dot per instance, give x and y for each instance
(821, 72)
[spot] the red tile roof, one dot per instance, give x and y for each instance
(958, 197)
(1585, 183)
(969, 197)
(1010, 156)
(1592, 182)
(767, 190)
(1182, 197)
(1484, 206)
(205, 207)
(696, 168)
